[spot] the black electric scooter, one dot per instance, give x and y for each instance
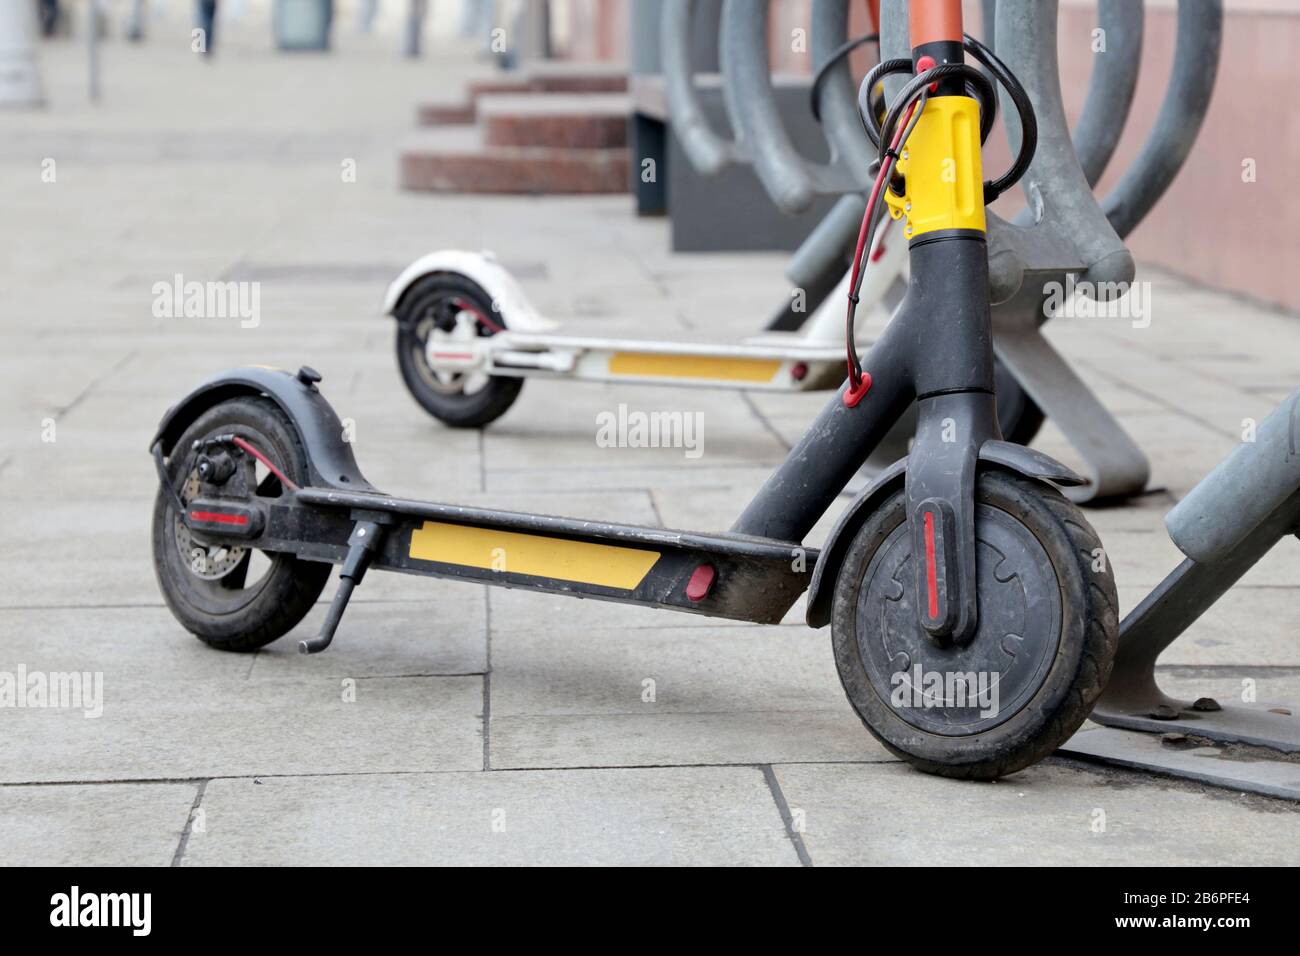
(972, 622)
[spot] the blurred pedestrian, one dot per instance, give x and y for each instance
(366, 12)
(207, 13)
(135, 21)
(49, 11)
(414, 27)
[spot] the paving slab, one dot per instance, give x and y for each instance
(669, 696)
(184, 730)
(68, 825)
(125, 644)
(705, 816)
(550, 415)
(1052, 814)
(77, 552)
(445, 636)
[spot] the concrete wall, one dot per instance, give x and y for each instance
(1212, 225)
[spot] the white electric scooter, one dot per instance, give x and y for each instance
(467, 337)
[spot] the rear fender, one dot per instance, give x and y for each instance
(330, 461)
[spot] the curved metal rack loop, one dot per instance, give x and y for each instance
(839, 96)
(790, 180)
(1110, 89)
(708, 152)
(1187, 98)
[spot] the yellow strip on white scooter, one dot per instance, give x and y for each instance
(717, 368)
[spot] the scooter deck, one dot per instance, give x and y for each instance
(718, 575)
(763, 364)
(768, 346)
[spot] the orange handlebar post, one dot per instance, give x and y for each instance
(934, 21)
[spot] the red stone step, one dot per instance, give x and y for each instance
(449, 112)
(456, 160)
(548, 77)
(444, 114)
(562, 120)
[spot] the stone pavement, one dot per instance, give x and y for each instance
(494, 726)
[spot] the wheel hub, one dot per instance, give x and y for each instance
(209, 562)
(451, 351)
(952, 690)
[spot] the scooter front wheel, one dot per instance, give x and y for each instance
(447, 312)
(1040, 657)
(234, 598)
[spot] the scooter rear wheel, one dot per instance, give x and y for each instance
(1043, 649)
(431, 313)
(233, 598)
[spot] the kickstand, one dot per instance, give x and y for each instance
(361, 544)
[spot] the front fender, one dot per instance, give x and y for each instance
(997, 454)
(841, 536)
(330, 461)
(482, 269)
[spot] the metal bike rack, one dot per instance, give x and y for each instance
(818, 263)
(1111, 86)
(1110, 89)
(1191, 83)
(1063, 229)
(790, 180)
(1115, 465)
(1224, 526)
(1048, 241)
(709, 152)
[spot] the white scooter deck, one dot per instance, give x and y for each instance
(810, 359)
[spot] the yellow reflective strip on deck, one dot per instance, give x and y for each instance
(694, 366)
(605, 565)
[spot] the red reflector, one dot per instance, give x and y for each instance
(931, 575)
(218, 517)
(701, 580)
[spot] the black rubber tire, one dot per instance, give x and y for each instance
(1075, 677)
(456, 410)
(277, 602)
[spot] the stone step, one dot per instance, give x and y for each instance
(456, 160)
(577, 76)
(554, 77)
(563, 120)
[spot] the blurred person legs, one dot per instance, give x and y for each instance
(207, 21)
(49, 10)
(414, 27)
(135, 21)
(367, 10)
